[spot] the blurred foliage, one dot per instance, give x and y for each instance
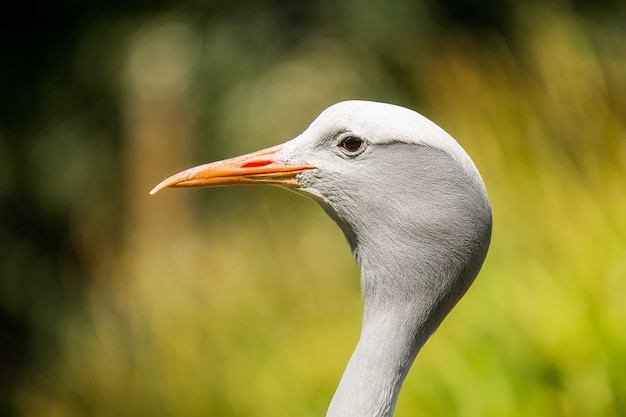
(245, 301)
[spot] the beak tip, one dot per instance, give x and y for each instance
(156, 189)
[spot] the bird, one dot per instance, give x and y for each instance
(414, 210)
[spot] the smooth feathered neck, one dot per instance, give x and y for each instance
(420, 240)
(390, 339)
(415, 212)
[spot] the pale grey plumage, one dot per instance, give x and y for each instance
(414, 210)
(416, 214)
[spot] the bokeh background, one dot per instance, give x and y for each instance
(245, 301)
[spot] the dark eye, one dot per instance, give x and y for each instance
(351, 144)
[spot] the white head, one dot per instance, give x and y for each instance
(414, 210)
(404, 192)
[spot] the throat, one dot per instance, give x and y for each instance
(390, 339)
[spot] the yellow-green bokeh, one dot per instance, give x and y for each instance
(245, 302)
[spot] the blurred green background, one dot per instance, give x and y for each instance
(245, 301)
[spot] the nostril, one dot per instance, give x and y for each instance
(253, 164)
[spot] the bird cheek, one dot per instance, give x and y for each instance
(308, 183)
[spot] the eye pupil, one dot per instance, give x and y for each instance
(351, 144)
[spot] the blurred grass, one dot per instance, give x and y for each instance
(246, 303)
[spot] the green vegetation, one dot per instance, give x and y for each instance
(245, 301)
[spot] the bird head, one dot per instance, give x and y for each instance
(414, 210)
(406, 195)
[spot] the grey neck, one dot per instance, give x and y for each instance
(419, 249)
(391, 336)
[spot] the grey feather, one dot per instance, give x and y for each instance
(415, 212)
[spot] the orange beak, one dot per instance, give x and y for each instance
(260, 167)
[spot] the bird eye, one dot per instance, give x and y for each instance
(351, 144)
